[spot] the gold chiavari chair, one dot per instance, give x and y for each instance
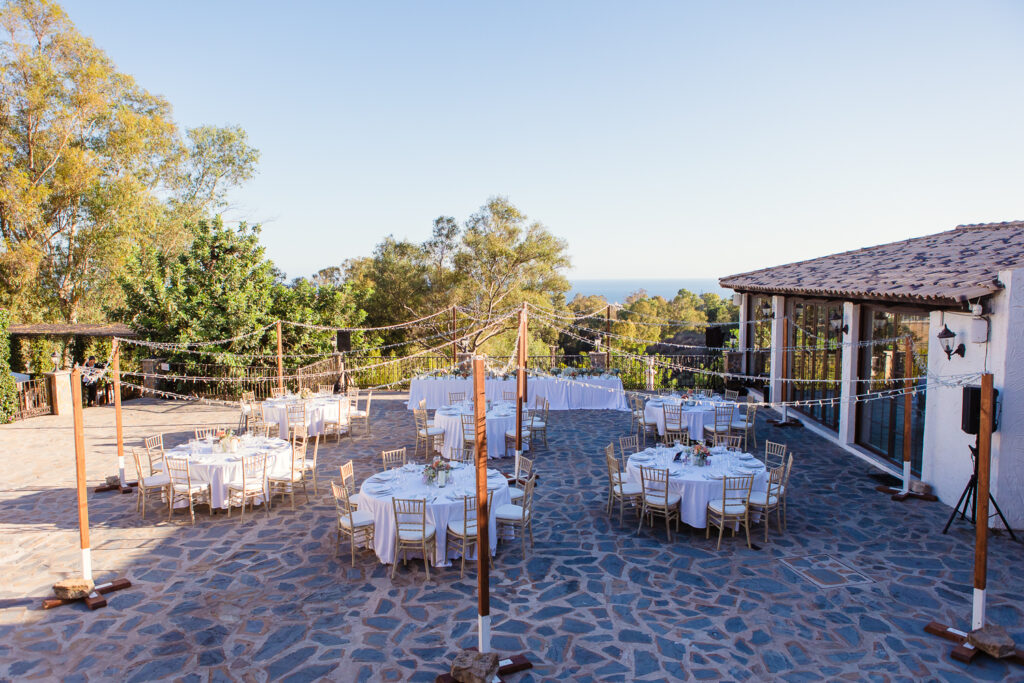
(731, 508)
(461, 454)
(618, 488)
(277, 392)
(674, 429)
(730, 441)
(628, 445)
(784, 490)
(206, 432)
(309, 465)
(722, 424)
(154, 481)
(426, 435)
(325, 389)
(249, 396)
(609, 452)
(468, 432)
(355, 524)
(657, 499)
(252, 486)
(774, 454)
(412, 532)
(510, 435)
(463, 534)
(155, 452)
(539, 422)
(508, 395)
(767, 502)
(522, 471)
(348, 480)
(647, 426)
(456, 397)
(746, 425)
(286, 483)
(518, 517)
(731, 395)
(338, 423)
(362, 414)
(704, 393)
(297, 418)
(182, 488)
(636, 409)
(395, 458)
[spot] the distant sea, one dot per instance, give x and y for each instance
(616, 291)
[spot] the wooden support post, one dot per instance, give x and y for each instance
(123, 485)
(280, 359)
(455, 350)
(908, 405)
(981, 526)
(83, 503)
(608, 339)
(520, 378)
(483, 546)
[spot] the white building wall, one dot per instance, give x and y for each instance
(849, 387)
(776, 372)
(1007, 361)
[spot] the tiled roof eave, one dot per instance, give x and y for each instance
(958, 296)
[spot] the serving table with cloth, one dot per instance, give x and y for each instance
(207, 464)
(602, 392)
(444, 505)
(697, 485)
(318, 408)
(500, 419)
(696, 413)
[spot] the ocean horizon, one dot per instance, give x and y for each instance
(617, 290)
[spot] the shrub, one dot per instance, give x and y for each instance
(8, 390)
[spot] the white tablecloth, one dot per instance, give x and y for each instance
(317, 409)
(443, 505)
(585, 393)
(208, 466)
(694, 484)
(500, 419)
(694, 417)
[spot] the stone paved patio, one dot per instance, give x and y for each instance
(273, 599)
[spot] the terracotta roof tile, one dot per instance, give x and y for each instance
(951, 266)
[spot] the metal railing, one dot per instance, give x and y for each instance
(33, 399)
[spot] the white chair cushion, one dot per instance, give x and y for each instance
(719, 429)
(511, 513)
(761, 499)
(295, 476)
(512, 433)
(539, 425)
(514, 493)
(184, 488)
(357, 413)
(157, 479)
(740, 424)
(249, 487)
(731, 509)
(359, 519)
(431, 431)
(673, 499)
(627, 489)
(415, 535)
(455, 527)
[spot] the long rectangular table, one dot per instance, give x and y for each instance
(586, 393)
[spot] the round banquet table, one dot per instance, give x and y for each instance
(443, 505)
(602, 392)
(500, 419)
(697, 485)
(317, 409)
(695, 417)
(207, 465)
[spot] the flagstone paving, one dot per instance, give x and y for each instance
(272, 598)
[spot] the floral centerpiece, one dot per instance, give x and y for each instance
(437, 472)
(228, 441)
(306, 393)
(700, 454)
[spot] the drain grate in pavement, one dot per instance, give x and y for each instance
(825, 571)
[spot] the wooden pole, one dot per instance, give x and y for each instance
(83, 503)
(520, 378)
(608, 338)
(455, 351)
(280, 359)
(908, 404)
(981, 526)
(115, 372)
(483, 546)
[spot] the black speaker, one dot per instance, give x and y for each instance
(970, 416)
(344, 341)
(713, 337)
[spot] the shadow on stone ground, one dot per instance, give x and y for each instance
(272, 598)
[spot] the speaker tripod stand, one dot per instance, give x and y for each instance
(969, 499)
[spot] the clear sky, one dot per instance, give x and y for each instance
(672, 139)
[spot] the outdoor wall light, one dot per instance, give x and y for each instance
(766, 309)
(55, 359)
(835, 321)
(947, 338)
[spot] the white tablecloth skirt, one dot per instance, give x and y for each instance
(695, 418)
(587, 393)
(220, 469)
(695, 490)
(317, 409)
(439, 513)
(497, 425)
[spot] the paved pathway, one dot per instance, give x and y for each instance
(273, 599)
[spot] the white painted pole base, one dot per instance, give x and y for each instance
(483, 633)
(120, 470)
(906, 477)
(978, 618)
(86, 564)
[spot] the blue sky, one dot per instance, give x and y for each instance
(673, 139)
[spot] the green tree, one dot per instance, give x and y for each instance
(91, 166)
(8, 390)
